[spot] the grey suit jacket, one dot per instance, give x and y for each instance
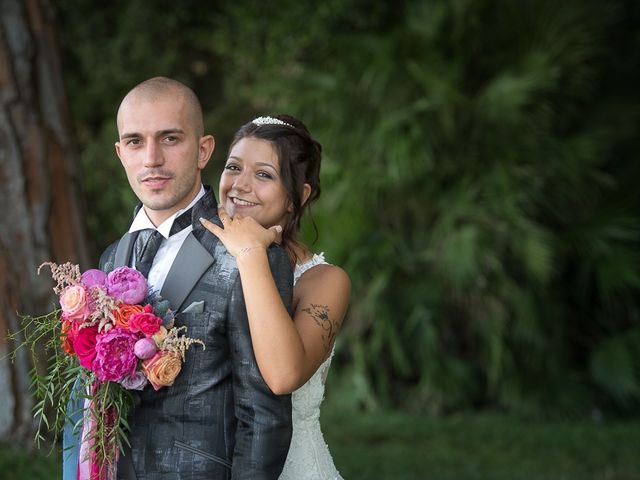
(219, 420)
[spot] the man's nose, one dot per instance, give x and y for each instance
(153, 155)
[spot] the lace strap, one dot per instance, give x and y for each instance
(317, 259)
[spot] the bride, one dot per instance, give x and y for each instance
(271, 175)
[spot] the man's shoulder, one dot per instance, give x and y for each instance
(108, 254)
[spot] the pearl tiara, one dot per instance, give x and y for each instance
(270, 121)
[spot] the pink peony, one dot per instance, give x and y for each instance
(145, 348)
(115, 358)
(84, 344)
(93, 278)
(74, 303)
(127, 285)
(137, 381)
(145, 322)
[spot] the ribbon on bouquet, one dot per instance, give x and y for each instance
(90, 466)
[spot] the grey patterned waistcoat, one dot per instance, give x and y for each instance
(219, 420)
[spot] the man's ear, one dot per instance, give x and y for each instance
(117, 145)
(205, 149)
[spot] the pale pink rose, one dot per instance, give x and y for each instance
(74, 303)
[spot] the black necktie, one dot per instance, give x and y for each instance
(145, 249)
(182, 222)
(149, 240)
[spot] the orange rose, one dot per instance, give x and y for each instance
(123, 313)
(162, 369)
(68, 335)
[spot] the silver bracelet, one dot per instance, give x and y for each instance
(245, 250)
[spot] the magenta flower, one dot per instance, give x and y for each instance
(145, 322)
(93, 278)
(115, 358)
(145, 348)
(127, 285)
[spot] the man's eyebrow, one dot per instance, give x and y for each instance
(169, 131)
(161, 133)
(129, 135)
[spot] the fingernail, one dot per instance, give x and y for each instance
(278, 228)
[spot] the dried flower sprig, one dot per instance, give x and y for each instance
(64, 275)
(179, 344)
(104, 306)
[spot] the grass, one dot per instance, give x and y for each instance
(481, 446)
(399, 446)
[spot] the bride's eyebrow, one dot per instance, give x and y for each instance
(265, 164)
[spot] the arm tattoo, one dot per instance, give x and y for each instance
(320, 315)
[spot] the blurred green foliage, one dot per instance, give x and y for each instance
(478, 177)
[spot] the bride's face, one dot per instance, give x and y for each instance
(250, 183)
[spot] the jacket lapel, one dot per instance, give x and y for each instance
(123, 252)
(187, 268)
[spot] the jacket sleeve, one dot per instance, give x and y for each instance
(264, 419)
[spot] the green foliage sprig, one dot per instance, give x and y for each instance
(51, 388)
(61, 389)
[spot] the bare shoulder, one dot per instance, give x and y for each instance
(321, 301)
(324, 277)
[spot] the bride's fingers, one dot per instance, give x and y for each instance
(277, 233)
(224, 217)
(212, 227)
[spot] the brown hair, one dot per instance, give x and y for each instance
(300, 156)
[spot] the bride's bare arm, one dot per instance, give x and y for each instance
(288, 350)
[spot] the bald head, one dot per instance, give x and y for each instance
(159, 88)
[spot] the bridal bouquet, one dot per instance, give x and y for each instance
(113, 335)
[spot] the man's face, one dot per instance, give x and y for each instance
(161, 153)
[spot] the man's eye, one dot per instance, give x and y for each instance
(133, 141)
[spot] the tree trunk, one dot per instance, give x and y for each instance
(41, 217)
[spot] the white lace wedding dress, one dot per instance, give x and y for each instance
(309, 457)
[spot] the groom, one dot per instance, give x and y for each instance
(219, 420)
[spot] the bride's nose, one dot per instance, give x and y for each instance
(242, 182)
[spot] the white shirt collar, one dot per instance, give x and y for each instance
(141, 220)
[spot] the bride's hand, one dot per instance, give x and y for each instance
(241, 234)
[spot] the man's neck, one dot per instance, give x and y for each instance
(157, 219)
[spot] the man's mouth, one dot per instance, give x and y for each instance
(155, 182)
